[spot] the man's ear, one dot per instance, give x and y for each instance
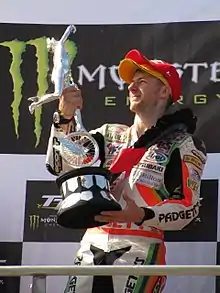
(165, 91)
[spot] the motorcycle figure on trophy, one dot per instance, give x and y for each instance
(85, 189)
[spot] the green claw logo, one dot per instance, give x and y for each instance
(34, 221)
(17, 49)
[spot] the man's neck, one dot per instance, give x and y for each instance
(144, 122)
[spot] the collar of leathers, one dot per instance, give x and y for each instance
(170, 121)
(179, 120)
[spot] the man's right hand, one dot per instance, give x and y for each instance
(70, 100)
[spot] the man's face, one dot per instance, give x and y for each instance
(145, 91)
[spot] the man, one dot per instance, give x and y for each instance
(159, 191)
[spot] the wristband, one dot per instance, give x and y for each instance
(58, 119)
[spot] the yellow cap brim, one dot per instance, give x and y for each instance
(128, 67)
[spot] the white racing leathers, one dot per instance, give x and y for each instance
(166, 180)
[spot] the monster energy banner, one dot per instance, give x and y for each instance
(40, 224)
(95, 52)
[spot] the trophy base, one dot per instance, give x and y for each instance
(82, 215)
(86, 194)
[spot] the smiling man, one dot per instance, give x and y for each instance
(156, 166)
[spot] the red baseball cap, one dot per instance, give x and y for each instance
(164, 71)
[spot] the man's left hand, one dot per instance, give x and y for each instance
(131, 213)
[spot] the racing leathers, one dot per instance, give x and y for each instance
(165, 181)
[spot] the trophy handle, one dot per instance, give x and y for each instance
(78, 119)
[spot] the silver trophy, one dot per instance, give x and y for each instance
(61, 74)
(85, 189)
(78, 149)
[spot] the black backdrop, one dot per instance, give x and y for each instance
(104, 46)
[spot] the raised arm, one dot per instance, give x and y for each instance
(63, 123)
